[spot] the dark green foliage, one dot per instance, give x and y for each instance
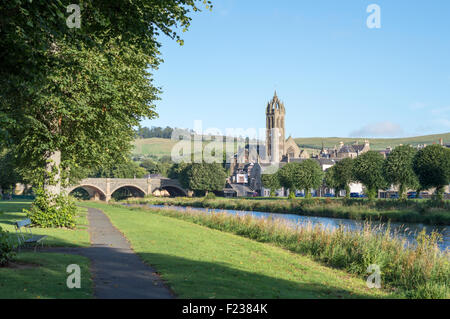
(8, 172)
(432, 166)
(398, 169)
(204, 177)
(330, 179)
(368, 169)
(271, 181)
(48, 211)
(306, 175)
(6, 248)
(127, 169)
(80, 91)
(162, 166)
(145, 132)
(344, 174)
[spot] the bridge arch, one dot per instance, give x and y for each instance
(128, 191)
(93, 191)
(173, 190)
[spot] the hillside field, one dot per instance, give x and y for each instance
(162, 147)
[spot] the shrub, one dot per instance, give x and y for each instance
(48, 211)
(6, 248)
(210, 195)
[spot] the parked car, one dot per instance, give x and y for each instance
(299, 195)
(329, 195)
(394, 196)
(355, 195)
(411, 195)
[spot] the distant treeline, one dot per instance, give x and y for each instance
(154, 131)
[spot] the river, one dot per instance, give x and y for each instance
(405, 230)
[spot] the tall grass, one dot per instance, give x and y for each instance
(415, 211)
(414, 271)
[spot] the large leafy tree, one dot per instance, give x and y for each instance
(70, 98)
(9, 175)
(344, 174)
(271, 181)
(368, 169)
(330, 179)
(305, 175)
(398, 169)
(432, 166)
(203, 177)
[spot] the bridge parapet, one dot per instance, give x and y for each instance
(105, 187)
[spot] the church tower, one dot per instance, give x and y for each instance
(275, 113)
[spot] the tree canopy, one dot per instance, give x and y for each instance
(75, 95)
(204, 177)
(344, 175)
(305, 175)
(432, 166)
(398, 168)
(368, 169)
(271, 181)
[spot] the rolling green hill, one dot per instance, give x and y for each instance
(375, 143)
(162, 147)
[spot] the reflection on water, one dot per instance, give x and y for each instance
(405, 230)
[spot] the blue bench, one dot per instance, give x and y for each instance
(26, 237)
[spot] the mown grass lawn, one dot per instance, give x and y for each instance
(11, 211)
(43, 275)
(198, 262)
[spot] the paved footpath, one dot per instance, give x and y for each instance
(117, 271)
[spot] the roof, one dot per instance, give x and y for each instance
(238, 188)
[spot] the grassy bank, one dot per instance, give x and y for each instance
(43, 275)
(410, 211)
(11, 211)
(200, 262)
(417, 272)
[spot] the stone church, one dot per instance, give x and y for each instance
(247, 165)
(279, 149)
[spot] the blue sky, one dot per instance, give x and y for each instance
(336, 76)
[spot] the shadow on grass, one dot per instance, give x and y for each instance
(116, 276)
(198, 279)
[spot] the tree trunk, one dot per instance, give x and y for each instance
(52, 183)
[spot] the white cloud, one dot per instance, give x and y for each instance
(380, 129)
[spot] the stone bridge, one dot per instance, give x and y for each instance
(103, 188)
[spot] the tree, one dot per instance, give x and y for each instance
(306, 175)
(368, 169)
(150, 166)
(398, 169)
(344, 174)
(71, 97)
(271, 181)
(128, 169)
(9, 176)
(330, 179)
(204, 177)
(432, 166)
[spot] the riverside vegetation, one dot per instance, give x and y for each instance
(420, 271)
(411, 211)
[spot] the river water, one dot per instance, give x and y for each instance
(404, 230)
